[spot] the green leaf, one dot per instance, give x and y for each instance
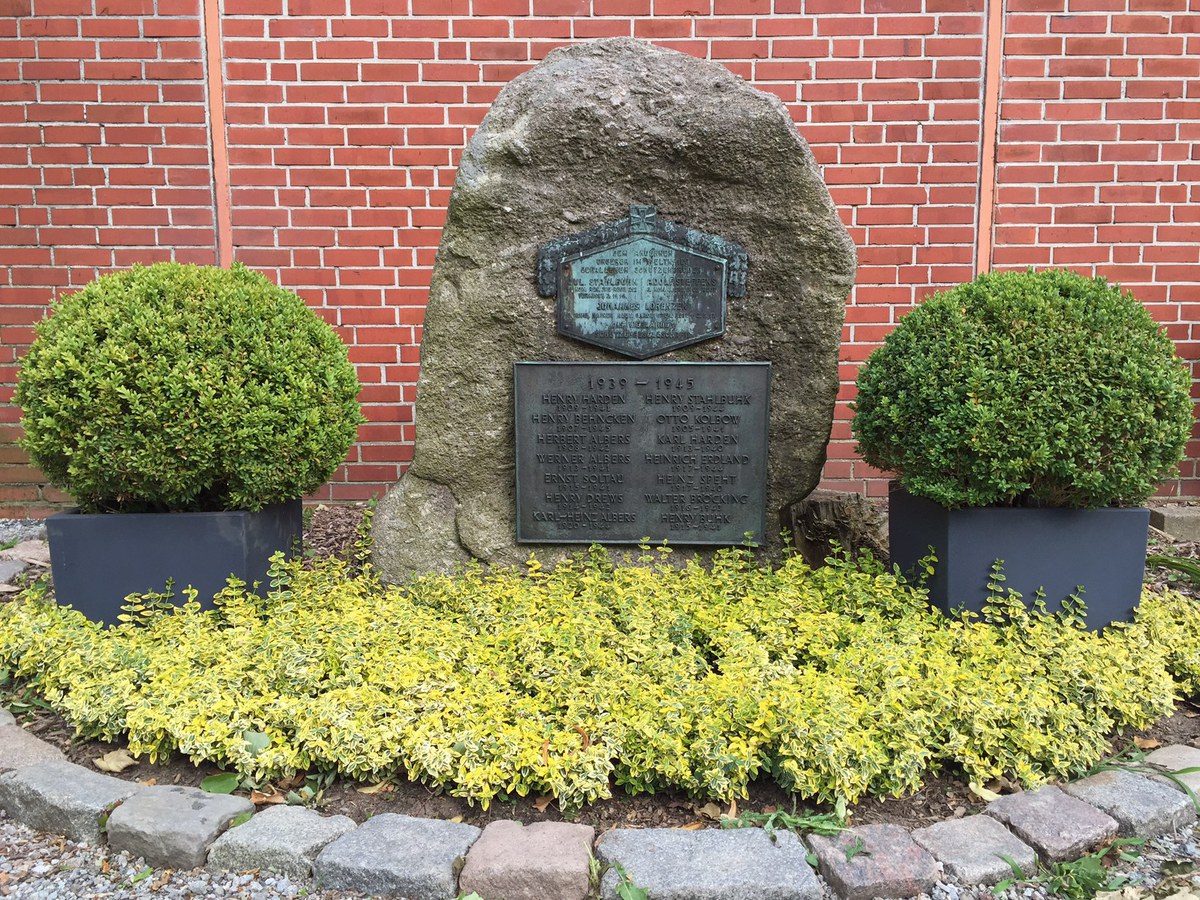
(241, 819)
(858, 848)
(222, 783)
(256, 741)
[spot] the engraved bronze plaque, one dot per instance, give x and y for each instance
(643, 285)
(613, 453)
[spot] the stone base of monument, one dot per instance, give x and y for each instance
(824, 518)
(1052, 551)
(97, 560)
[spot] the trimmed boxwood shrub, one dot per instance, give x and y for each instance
(186, 388)
(1026, 388)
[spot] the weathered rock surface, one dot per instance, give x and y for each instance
(283, 840)
(738, 864)
(972, 849)
(1177, 759)
(19, 748)
(542, 861)
(824, 517)
(390, 854)
(63, 797)
(1056, 825)
(1140, 806)
(874, 861)
(172, 827)
(568, 146)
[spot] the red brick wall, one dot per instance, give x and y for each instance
(1099, 154)
(345, 119)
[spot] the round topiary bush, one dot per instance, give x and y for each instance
(186, 388)
(1026, 388)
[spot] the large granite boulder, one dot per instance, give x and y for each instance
(569, 145)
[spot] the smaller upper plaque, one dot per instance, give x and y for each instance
(641, 286)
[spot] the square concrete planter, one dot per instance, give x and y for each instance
(99, 559)
(1053, 549)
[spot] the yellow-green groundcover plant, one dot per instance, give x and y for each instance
(837, 682)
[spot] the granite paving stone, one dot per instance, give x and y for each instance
(19, 748)
(392, 854)
(172, 826)
(283, 840)
(738, 864)
(972, 849)
(6, 718)
(1175, 758)
(64, 798)
(1140, 806)
(875, 861)
(1058, 826)
(543, 861)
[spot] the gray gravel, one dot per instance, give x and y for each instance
(17, 530)
(36, 866)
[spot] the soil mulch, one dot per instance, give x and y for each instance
(333, 530)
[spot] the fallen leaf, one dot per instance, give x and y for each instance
(457, 820)
(162, 879)
(1191, 715)
(541, 803)
(546, 752)
(149, 782)
(587, 742)
(384, 787)
(710, 811)
(691, 826)
(261, 798)
(732, 814)
(288, 784)
(104, 865)
(114, 761)
(983, 793)
(1146, 743)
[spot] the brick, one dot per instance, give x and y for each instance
(889, 863)
(1058, 826)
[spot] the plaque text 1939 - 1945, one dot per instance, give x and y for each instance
(619, 452)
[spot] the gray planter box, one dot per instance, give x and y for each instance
(1053, 549)
(99, 559)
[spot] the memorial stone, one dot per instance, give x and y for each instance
(622, 201)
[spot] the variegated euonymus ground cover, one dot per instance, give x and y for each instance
(837, 682)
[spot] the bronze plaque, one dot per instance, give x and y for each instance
(615, 453)
(641, 286)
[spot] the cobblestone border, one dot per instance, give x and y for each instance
(427, 859)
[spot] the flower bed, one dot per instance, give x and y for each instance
(838, 682)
